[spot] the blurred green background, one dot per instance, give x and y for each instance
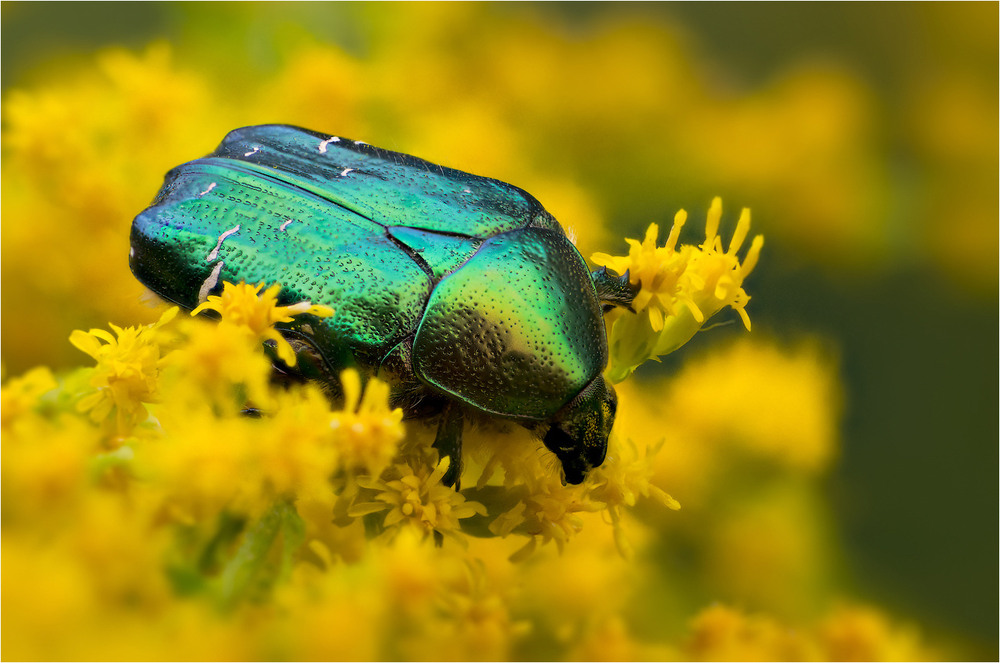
(900, 280)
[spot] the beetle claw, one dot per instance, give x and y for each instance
(614, 290)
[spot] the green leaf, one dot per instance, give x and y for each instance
(255, 566)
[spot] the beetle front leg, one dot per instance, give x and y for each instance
(448, 442)
(614, 290)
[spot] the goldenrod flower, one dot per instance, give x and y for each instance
(22, 394)
(546, 511)
(680, 289)
(221, 366)
(722, 633)
(861, 633)
(125, 533)
(127, 367)
(243, 306)
(416, 497)
(366, 432)
(625, 476)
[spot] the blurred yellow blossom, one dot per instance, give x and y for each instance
(680, 288)
(862, 633)
(221, 368)
(22, 394)
(721, 633)
(779, 403)
(366, 430)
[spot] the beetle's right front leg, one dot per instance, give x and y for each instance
(448, 442)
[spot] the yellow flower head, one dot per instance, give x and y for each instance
(625, 476)
(721, 633)
(126, 373)
(415, 497)
(243, 306)
(21, 394)
(680, 288)
(366, 432)
(218, 365)
(547, 511)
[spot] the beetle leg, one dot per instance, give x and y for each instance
(614, 290)
(449, 443)
(309, 366)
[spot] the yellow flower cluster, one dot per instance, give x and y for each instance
(146, 516)
(127, 368)
(680, 288)
(314, 532)
(271, 512)
(721, 633)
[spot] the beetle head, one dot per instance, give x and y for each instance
(579, 432)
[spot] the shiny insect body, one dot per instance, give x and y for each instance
(460, 290)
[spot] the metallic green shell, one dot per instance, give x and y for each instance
(380, 236)
(517, 330)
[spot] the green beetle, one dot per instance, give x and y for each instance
(461, 291)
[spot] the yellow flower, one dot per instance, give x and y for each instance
(21, 394)
(416, 497)
(472, 621)
(721, 633)
(857, 633)
(781, 404)
(680, 288)
(546, 511)
(241, 305)
(625, 475)
(44, 467)
(218, 365)
(126, 371)
(366, 432)
(293, 452)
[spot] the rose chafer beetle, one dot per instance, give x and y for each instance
(460, 290)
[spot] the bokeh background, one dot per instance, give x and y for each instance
(863, 137)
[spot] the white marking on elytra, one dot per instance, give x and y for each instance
(210, 187)
(285, 224)
(218, 245)
(323, 144)
(131, 251)
(360, 142)
(466, 190)
(210, 282)
(255, 150)
(345, 171)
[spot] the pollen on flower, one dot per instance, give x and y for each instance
(681, 287)
(245, 306)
